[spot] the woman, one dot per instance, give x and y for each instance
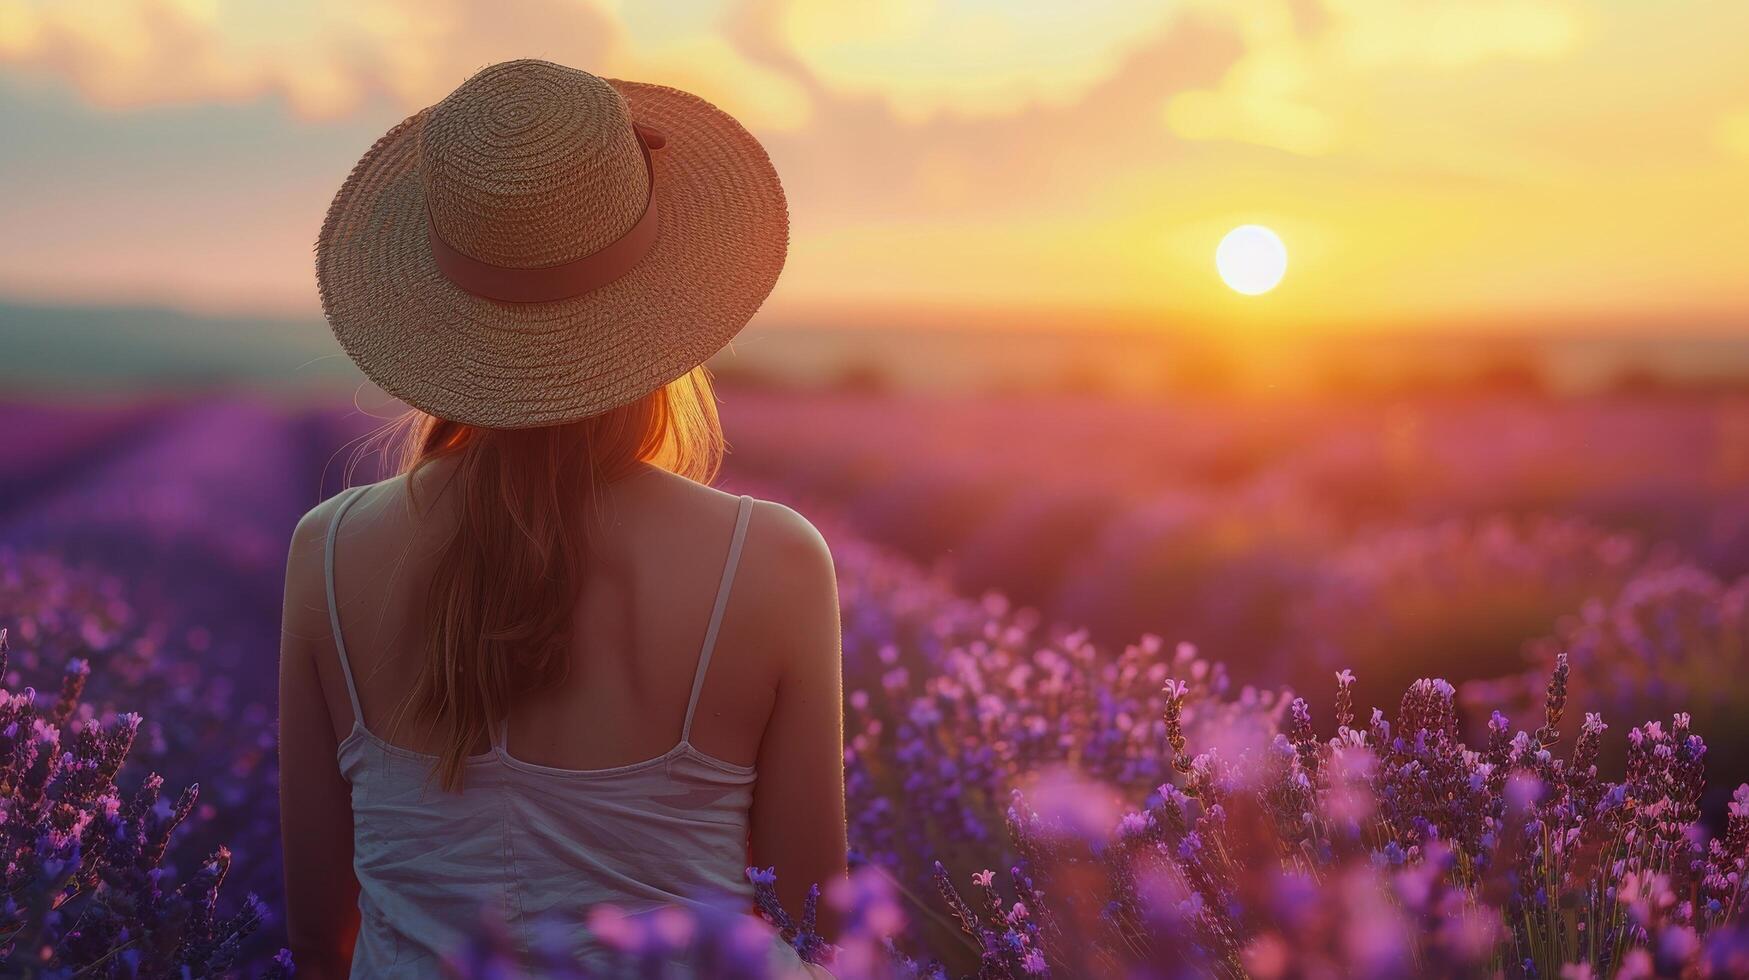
(547, 667)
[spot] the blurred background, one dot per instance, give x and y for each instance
(1494, 405)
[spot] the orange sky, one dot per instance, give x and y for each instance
(1514, 163)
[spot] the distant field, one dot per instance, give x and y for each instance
(98, 350)
(1465, 526)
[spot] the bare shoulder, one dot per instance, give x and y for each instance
(305, 569)
(312, 529)
(304, 621)
(787, 542)
(791, 597)
(311, 536)
(781, 545)
(784, 601)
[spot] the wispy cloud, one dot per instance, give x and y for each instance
(326, 58)
(1302, 84)
(1732, 133)
(971, 57)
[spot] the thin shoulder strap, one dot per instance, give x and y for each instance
(710, 634)
(334, 607)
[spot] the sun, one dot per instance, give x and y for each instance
(1251, 259)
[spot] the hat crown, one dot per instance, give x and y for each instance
(531, 164)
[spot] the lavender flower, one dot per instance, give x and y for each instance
(83, 873)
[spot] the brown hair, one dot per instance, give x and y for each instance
(506, 579)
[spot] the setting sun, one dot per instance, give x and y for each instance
(1251, 259)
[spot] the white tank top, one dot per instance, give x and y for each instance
(524, 843)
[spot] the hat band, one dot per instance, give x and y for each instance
(550, 283)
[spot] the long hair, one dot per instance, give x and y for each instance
(506, 579)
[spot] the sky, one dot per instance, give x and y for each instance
(1506, 165)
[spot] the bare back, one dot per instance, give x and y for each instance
(656, 562)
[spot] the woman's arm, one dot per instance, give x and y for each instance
(315, 804)
(798, 801)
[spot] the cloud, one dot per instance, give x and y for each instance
(1732, 133)
(919, 59)
(1371, 34)
(970, 57)
(327, 58)
(1302, 56)
(1259, 101)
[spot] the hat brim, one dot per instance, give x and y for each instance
(720, 245)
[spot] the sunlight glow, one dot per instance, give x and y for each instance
(1251, 259)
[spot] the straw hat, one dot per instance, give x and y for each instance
(544, 245)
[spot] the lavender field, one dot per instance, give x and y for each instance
(1111, 670)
